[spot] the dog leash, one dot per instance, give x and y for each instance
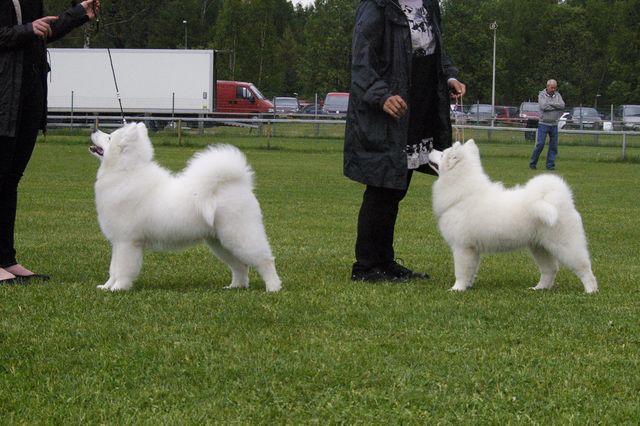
(459, 120)
(115, 81)
(113, 71)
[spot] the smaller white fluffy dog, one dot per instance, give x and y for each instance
(478, 216)
(142, 205)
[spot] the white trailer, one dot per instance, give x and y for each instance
(152, 81)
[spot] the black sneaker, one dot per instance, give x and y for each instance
(370, 275)
(401, 273)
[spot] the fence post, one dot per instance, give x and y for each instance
(273, 125)
(624, 144)
(180, 131)
(315, 116)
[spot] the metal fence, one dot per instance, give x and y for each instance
(332, 127)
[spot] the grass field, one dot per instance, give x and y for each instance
(179, 349)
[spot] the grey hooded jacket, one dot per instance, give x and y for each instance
(550, 107)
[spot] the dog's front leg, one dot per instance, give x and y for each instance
(466, 261)
(127, 262)
(112, 275)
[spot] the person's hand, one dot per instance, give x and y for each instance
(395, 106)
(91, 8)
(459, 89)
(41, 27)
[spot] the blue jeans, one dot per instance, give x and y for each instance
(543, 130)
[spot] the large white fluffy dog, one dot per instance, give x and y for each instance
(142, 205)
(478, 216)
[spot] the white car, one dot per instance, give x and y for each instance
(562, 121)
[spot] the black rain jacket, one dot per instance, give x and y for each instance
(13, 39)
(374, 147)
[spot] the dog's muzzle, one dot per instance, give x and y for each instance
(95, 149)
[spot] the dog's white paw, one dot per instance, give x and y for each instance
(232, 286)
(120, 286)
(273, 288)
(539, 287)
(457, 288)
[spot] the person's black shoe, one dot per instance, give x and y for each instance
(370, 275)
(402, 273)
(532, 167)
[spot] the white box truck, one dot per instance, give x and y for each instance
(151, 81)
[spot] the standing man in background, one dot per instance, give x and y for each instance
(24, 33)
(551, 106)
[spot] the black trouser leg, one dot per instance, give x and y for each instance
(376, 226)
(15, 153)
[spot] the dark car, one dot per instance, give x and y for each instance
(336, 103)
(285, 105)
(480, 114)
(583, 118)
(312, 109)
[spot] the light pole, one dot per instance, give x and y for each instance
(494, 27)
(185, 33)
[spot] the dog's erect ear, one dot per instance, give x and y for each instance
(449, 158)
(142, 130)
(128, 130)
(471, 146)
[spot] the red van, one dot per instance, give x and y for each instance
(240, 97)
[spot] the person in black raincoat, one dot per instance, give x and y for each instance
(24, 32)
(402, 82)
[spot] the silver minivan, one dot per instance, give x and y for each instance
(629, 116)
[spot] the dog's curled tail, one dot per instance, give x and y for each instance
(555, 196)
(219, 164)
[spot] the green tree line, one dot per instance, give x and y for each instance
(592, 47)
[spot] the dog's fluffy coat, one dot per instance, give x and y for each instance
(142, 205)
(477, 216)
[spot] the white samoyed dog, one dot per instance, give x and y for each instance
(142, 205)
(477, 216)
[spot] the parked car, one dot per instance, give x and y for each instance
(457, 113)
(286, 105)
(480, 114)
(562, 121)
(506, 115)
(336, 103)
(530, 113)
(583, 118)
(312, 109)
(240, 97)
(629, 115)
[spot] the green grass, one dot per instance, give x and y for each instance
(179, 349)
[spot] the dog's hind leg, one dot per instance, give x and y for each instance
(241, 233)
(548, 266)
(575, 256)
(466, 262)
(125, 266)
(239, 270)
